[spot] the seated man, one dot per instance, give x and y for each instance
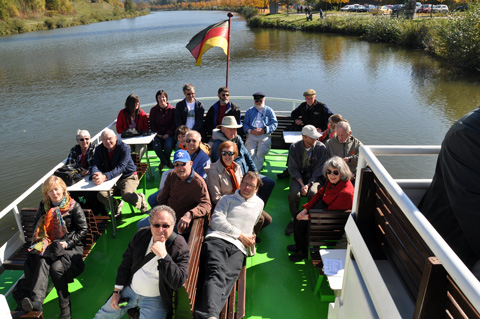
(228, 132)
(223, 107)
(225, 246)
(190, 111)
(112, 158)
(185, 191)
(344, 145)
(154, 265)
(305, 162)
(259, 124)
(198, 156)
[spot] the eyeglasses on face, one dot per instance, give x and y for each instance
(258, 100)
(335, 172)
(179, 164)
(164, 226)
(227, 153)
(84, 139)
(225, 94)
(191, 93)
(249, 185)
(190, 141)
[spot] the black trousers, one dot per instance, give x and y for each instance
(221, 264)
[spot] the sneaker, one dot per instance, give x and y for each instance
(143, 203)
(118, 211)
(290, 228)
(292, 248)
(283, 174)
(298, 256)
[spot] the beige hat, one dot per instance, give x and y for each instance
(310, 131)
(229, 122)
(309, 92)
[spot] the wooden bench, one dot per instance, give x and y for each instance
(284, 124)
(390, 236)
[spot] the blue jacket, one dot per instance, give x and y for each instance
(122, 162)
(268, 118)
(200, 161)
(243, 159)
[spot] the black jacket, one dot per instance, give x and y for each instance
(209, 124)
(317, 116)
(181, 115)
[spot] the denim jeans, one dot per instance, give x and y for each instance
(150, 307)
(163, 148)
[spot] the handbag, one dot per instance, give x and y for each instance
(69, 174)
(131, 132)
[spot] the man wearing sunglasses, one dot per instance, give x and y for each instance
(185, 191)
(223, 107)
(154, 265)
(344, 145)
(190, 111)
(199, 157)
(305, 162)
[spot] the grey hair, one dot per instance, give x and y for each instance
(338, 163)
(192, 132)
(345, 125)
(188, 87)
(162, 208)
(82, 133)
(105, 131)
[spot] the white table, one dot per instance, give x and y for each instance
(335, 258)
(140, 140)
(86, 185)
(291, 137)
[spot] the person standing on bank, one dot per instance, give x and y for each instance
(162, 122)
(190, 111)
(259, 124)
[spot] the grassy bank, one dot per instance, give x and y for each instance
(454, 39)
(83, 12)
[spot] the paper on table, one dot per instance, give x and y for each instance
(332, 266)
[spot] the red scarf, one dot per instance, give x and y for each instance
(231, 171)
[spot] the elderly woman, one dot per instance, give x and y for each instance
(81, 157)
(132, 116)
(224, 177)
(162, 122)
(56, 248)
(336, 194)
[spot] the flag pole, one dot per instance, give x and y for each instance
(230, 15)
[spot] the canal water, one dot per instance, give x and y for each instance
(54, 82)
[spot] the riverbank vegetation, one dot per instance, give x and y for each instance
(454, 39)
(19, 16)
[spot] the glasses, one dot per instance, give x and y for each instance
(191, 141)
(84, 139)
(164, 226)
(225, 94)
(190, 93)
(227, 153)
(179, 164)
(249, 185)
(335, 172)
(258, 100)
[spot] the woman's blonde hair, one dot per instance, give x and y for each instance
(50, 183)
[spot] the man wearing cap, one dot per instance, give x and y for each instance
(223, 107)
(259, 124)
(344, 145)
(228, 132)
(185, 191)
(310, 112)
(305, 162)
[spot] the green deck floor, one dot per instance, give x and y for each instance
(276, 287)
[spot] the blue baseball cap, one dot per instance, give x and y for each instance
(181, 156)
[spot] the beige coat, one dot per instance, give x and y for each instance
(219, 182)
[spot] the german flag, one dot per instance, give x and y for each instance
(215, 35)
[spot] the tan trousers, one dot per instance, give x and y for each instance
(125, 187)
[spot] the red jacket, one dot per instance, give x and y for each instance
(141, 121)
(340, 197)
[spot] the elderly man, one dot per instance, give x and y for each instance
(223, 107)
(310, 112)
(344, 145)
(185, 191)
(305, 162)
(189, 111)
(228, 132)
(225, 247)
(112, 158)
(259, 124)
(154, 265)
(198, 156)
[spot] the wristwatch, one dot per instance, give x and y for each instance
(116, 292)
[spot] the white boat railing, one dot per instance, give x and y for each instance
(462, 276)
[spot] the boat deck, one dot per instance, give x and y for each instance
(276, 287)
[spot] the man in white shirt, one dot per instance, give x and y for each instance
(189, 111)
(154, 265)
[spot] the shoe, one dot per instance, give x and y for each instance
(283, 174)
(160, 167)
(27, 305)
(143, 203)
(298, 256)
(290, 228)
(292, 248)
(170, 165)
(118, 211)
(258, 240)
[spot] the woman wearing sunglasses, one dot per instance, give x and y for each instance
(336, 194)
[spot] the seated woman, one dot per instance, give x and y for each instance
(81, 157)
(132, 116)
(224, 177)
(336, 194)
(162, 122)
(56, 247)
